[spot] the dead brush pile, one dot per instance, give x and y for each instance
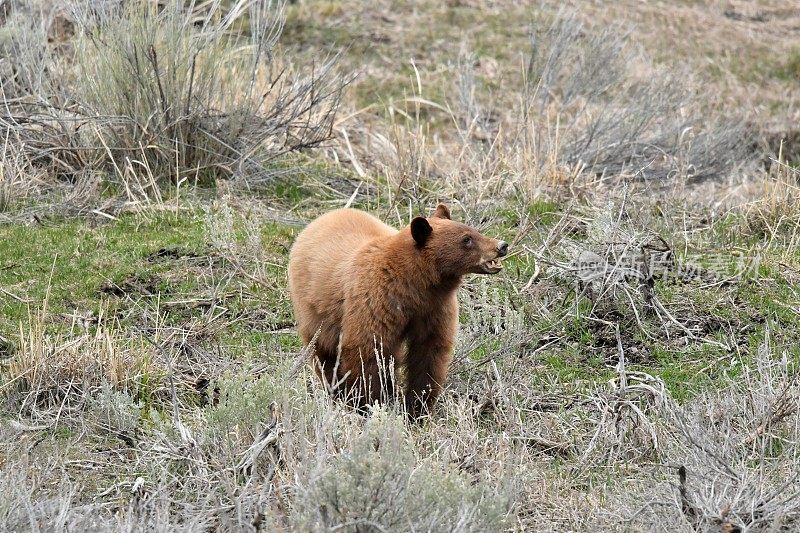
(735, 451)
(624, 267)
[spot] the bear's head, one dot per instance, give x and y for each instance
(457, 248)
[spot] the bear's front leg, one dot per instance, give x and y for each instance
(430, 351)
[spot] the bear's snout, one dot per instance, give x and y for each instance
(502, 248)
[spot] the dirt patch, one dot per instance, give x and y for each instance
(7, 348)
(132, 286)
(164, 254)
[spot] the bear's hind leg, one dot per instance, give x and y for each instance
(368, 373)
(325, 360)
(325, 367)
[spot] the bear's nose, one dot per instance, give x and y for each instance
(502, 248)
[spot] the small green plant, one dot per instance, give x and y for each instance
(116, 411)
(378, 484)
(244, 403)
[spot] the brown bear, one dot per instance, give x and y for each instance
(372, 295)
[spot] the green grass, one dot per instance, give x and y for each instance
(543, 212)
(576, 366)
(160, 263)
(789, 67)
(68, 262)
(290, 191)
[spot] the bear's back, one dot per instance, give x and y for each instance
(319, 259)
(337, 235)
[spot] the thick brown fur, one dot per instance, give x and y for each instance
(375, 295)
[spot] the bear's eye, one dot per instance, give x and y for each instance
(467, 240)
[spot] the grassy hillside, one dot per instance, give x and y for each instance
(634, 365)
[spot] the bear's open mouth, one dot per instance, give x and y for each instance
(492, 267)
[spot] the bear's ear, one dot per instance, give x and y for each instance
(442, 212)
(420, 230)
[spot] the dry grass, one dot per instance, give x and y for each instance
(18, 178)
(739, 48)
(57, 373)
(634, 367)
(273, 450)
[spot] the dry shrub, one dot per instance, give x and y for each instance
(27, 66)
(199, 91)
(48, 373)
(585, 104)
(733, 454)
(160, 94)
(39, 114)
(589, 105)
